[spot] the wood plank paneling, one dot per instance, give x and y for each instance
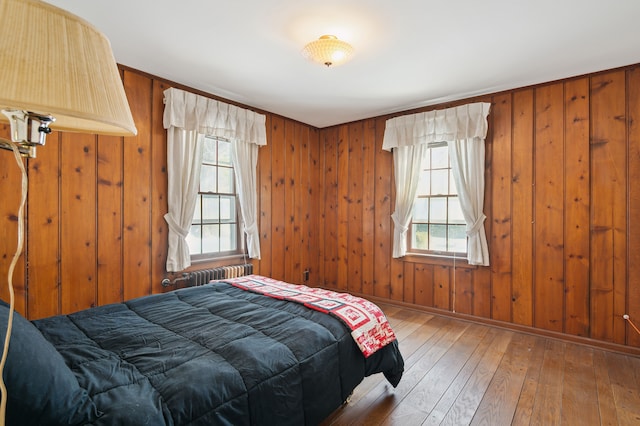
(442, 287)
(551, 190)
(110, 198)
(577, 201)
(342, 233)
(463, 293)
(278, 162)
(354, 205)
(500, 244)
(331, 207)
(549, 208)
(159, 187)
(423, 284)
(137, 190)
(326, 196)
(608, 207)
(292, 244)
(43, 233)
(78, 233)
(315, 213)
(522, 205)
(368, 206)
(383, 181)
(633, 290)
(303, 203)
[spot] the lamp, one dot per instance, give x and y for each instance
(328, 50)
(58, 71)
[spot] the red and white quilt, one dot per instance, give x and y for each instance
(368, 324)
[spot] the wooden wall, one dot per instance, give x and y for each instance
(95, 231)
(562, 204)
(561, 201)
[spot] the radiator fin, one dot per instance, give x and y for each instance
(204, 276)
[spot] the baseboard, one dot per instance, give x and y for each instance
(614, 347)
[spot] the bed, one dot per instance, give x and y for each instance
(206, 355)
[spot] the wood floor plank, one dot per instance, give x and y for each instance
(451, 394)
(580, 396)
(524, 409)
(499, 402)
(430, 389)
(606, 403)
(548, 400)
(624, 388)
(463, 410)
(426, 394)
(411, 347)
(416, 367)
(462, 373)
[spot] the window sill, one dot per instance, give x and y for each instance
(430, 259)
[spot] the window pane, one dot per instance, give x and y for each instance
(421, 210)
(224, 153)
(209, 151)
(193, 240)
(438, 237)
(458, 238)
(208, 178)
(438, 223)
(211, 238)
(439, 182)
(439, 157)
(455, 211)
(217, 216)
(197, 213)
(225, 180)
(211, 208)
(420, 237)
(228, 237)
(227, 209)
(438, 210)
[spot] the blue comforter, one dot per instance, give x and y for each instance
(213, 355)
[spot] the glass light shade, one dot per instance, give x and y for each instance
(328, 50)
(57, 64)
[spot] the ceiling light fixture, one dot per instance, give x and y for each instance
(328, 50)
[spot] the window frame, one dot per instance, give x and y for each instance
(199, 217)
(444, 254)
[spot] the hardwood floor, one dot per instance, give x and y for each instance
(460, 373)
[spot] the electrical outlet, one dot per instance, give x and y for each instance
(305, 275)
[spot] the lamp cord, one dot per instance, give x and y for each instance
(14, 261)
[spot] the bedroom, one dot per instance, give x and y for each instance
(96, 232)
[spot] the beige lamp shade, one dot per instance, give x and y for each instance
(54, 63)
(328, 50)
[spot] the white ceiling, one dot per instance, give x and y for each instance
(408, 53)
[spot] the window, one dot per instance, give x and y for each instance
(438, 226)
(215, 228)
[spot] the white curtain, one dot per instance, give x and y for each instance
(184, 161)
(467, 164)
(245, 160)
(463, 128)
(204, 116)
(407, 161)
